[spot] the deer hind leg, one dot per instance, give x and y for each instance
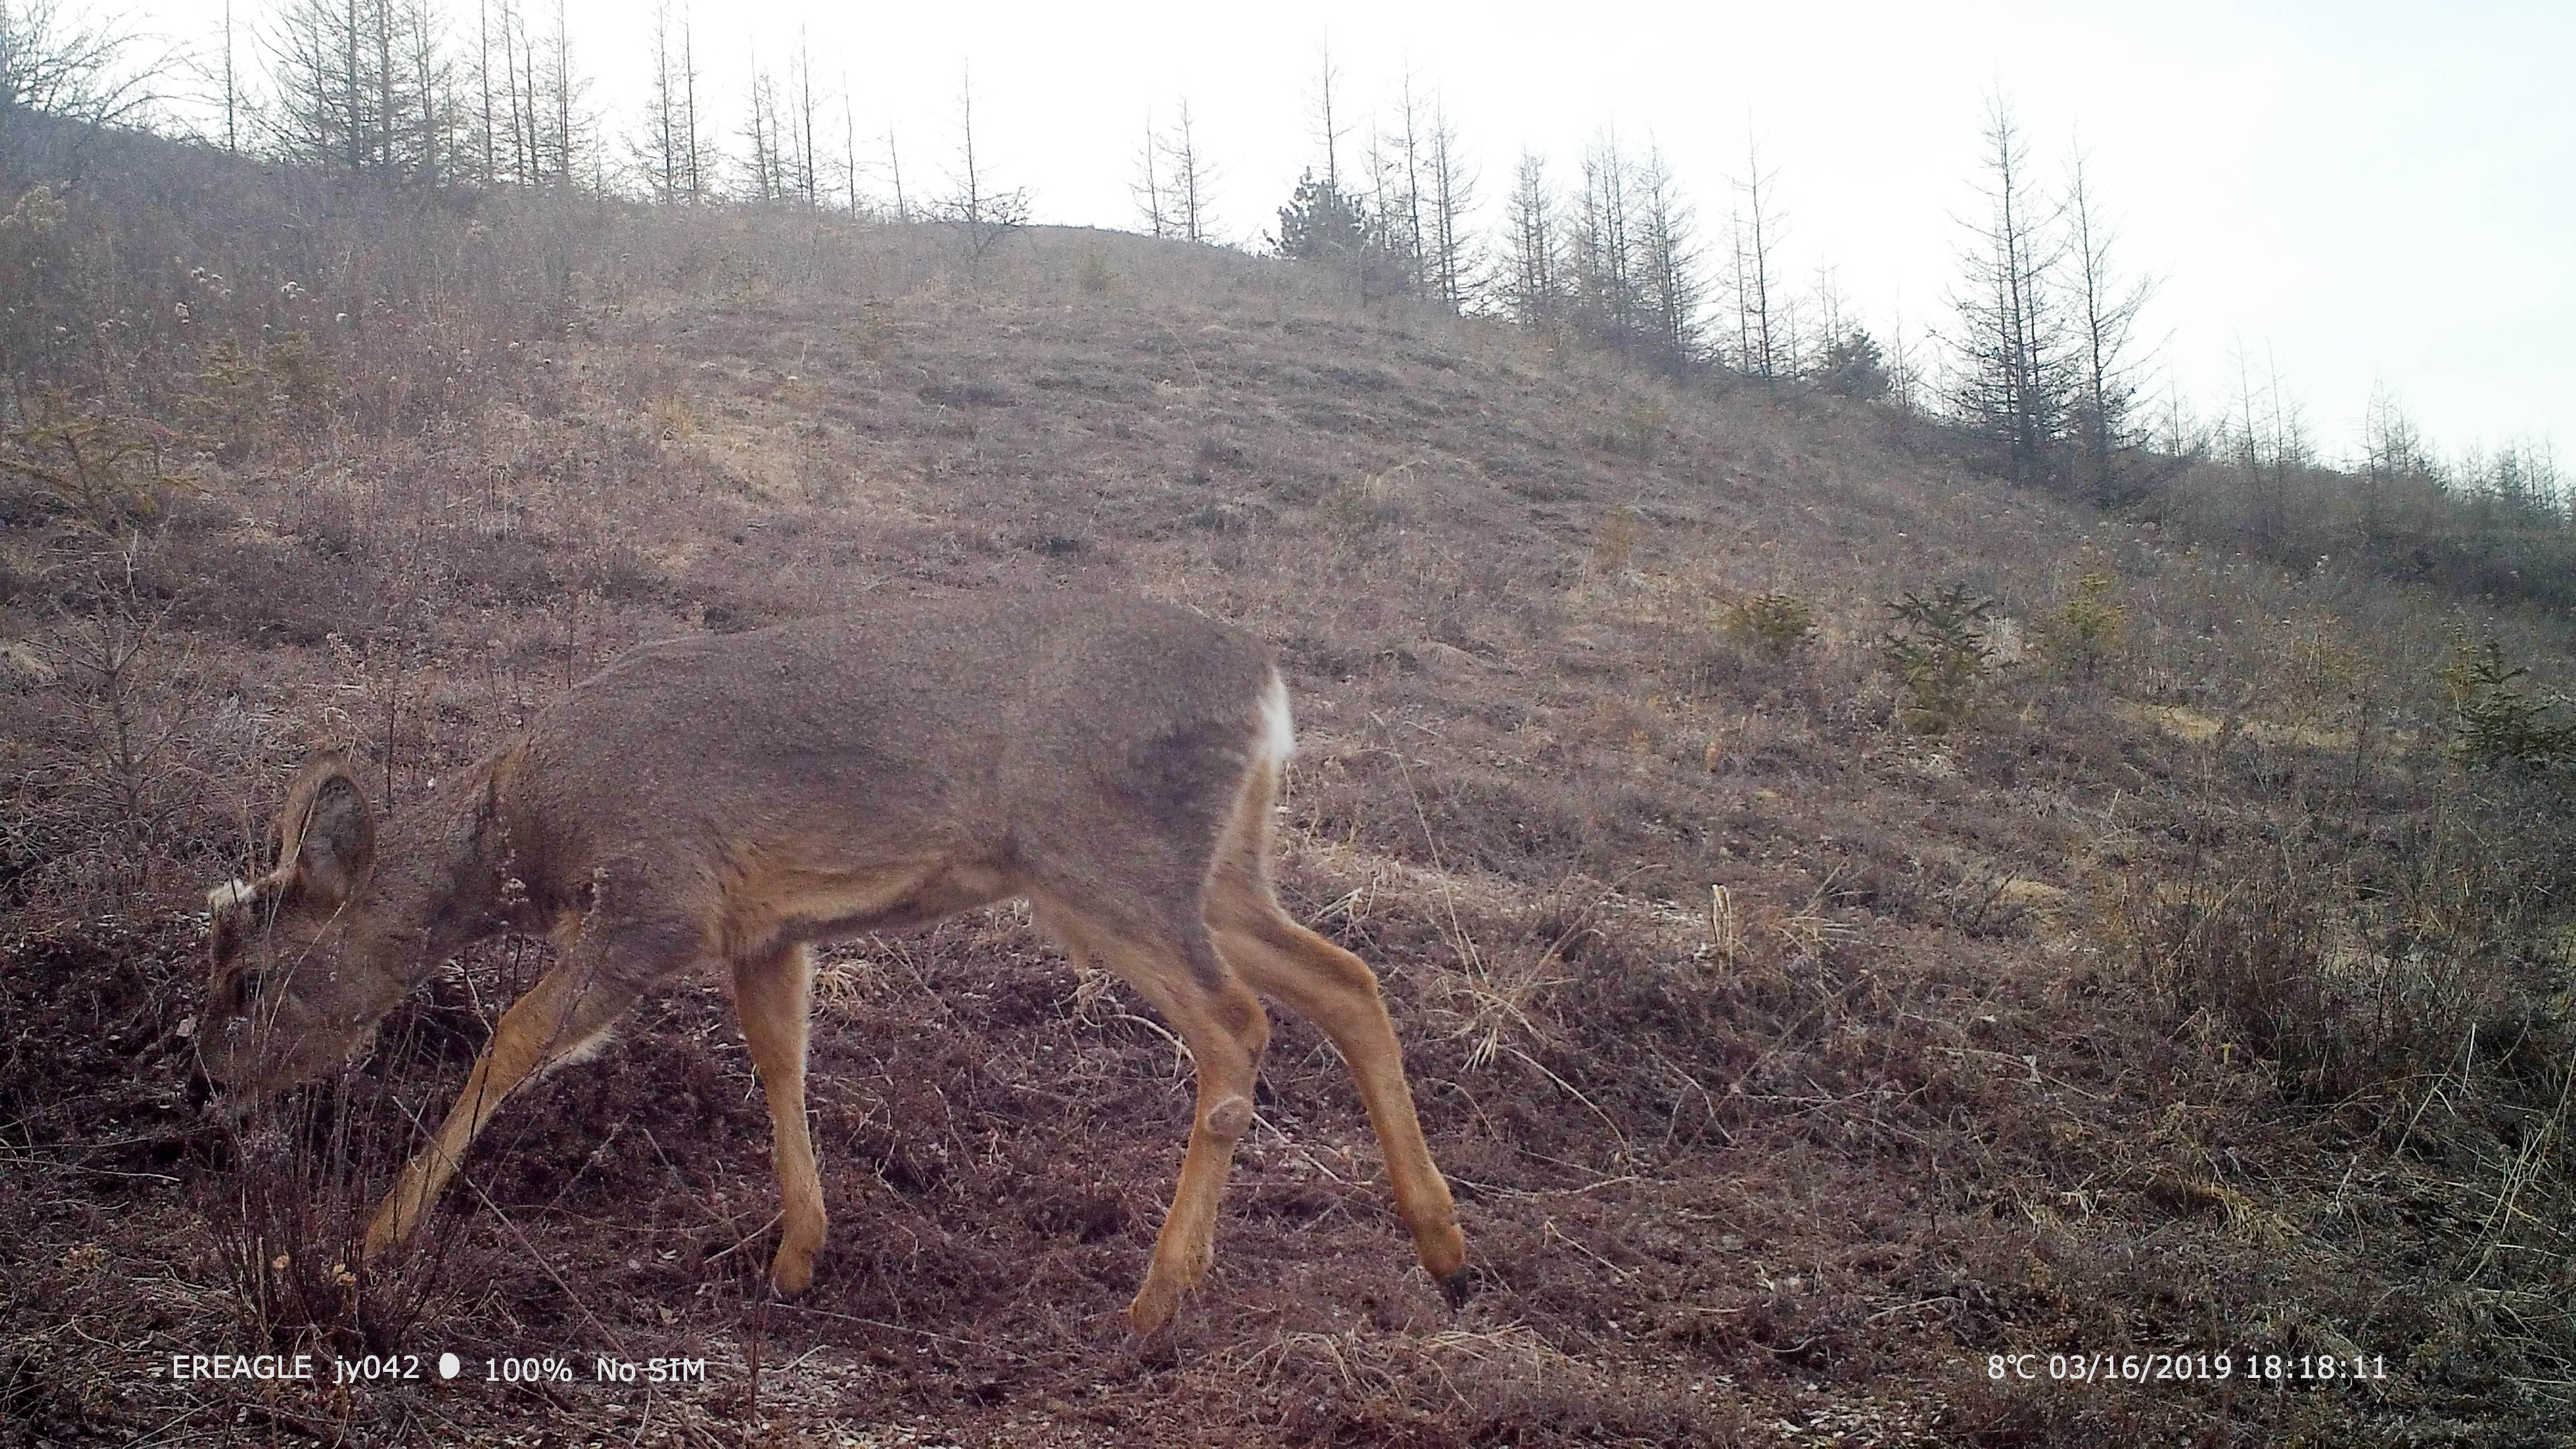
(1338, 993)
(1180, 975)
(561, 1019)
(771, 998)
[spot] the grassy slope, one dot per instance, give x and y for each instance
(1920, 1096)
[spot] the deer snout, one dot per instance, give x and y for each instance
(221, 1054)
(212, 1097)
(244, 1044)
(224, 1038)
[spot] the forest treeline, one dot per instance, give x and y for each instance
(2036, 370)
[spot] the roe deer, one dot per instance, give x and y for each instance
(733, 798)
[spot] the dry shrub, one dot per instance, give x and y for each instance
(1615, 541)
(2350, 991)
(99, 469)
(289, 1211)
(247, 400)
(1097, 276)
(1360, 507)
(2252, 949)
(1636, 432)
(103, 778)
(297, 1178)
(1495, 999)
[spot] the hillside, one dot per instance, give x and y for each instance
(1796, 1041)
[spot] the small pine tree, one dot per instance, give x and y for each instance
(1320, 223)
(2496, 720)
(1774, 625)
(2092, 628)
(1939, 648)
(1852, 367)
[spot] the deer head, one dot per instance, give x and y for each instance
(298, 983)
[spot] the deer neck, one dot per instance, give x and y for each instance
(441, 880)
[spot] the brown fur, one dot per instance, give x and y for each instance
(735, 798)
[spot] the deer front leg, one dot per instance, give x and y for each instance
(560, 1018)
(771, 998)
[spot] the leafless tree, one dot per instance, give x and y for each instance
(1191, 178)
(894, 165)
(2393, 457)
(803, 176)
(2181, 431)
(849, 142)
(2271, 421)
(1601, 256)
(1670, 291)
(487, 117)
(983, 212)
(56, 64)
(697, 146)
(528, 106)
(564, 88)
(2106, 308)
(1328, 131)
(1391, 251)
(1907, 387)
(1760, 348)
(2392, 446)
(660, 153)
(1831, 320)
(1360, 226)
(1148, 186)
(515, 107)
(229, 73)
(433, 82)
(1404, 206)
(216, 77)
(2266, 437)
(765, 177)
(1449, 246)
(1530, 285)
(362, 85)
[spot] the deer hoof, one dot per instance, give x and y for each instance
(1153, 1308)
(791, 1272)
(1464, 1284)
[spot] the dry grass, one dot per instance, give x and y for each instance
(1789, 1062)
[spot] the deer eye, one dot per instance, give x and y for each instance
(239, 987)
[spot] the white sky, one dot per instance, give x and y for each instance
(2354, 193)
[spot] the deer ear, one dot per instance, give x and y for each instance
(228, 907)
(327, 831)
(233, 895)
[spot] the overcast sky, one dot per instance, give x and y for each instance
(2354, 194)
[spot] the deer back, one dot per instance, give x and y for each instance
(934, 754)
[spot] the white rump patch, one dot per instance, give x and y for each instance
(230, 894)
(1278, 732)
